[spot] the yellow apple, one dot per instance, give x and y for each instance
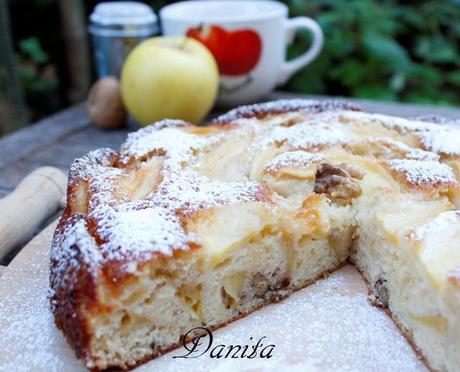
(169, 77)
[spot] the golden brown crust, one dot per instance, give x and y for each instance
(262, 110)
(85, 252)
(73, 290)
(425, 176)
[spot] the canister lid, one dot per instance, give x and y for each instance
(131, 16)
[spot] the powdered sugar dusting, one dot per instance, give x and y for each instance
(97, 163)
(441, 139)
(136, 230)
(130, 231)
(98, 171)
(126, 227)
(329, 326)
(409, 152)
(292, 159)
(305, 136)
(401, 125)
(73, 247)
(176, 143)
(187, 191)
(183, 191)
(421, 173)
(285, 105)
(444, 141)
(444, 221)
(29, 337)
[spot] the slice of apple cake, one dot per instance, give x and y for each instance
(190, 226)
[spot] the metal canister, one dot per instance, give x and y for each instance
(116, 28)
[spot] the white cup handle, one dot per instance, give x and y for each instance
(291, 26)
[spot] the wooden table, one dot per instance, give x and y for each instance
(59, 139)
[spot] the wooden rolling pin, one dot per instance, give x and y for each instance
(36, 198)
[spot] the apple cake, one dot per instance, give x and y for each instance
(190, 226)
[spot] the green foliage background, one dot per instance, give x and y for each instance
(376, 49)
(388, 50)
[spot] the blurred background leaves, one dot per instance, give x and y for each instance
(385, 50)
(38, 77)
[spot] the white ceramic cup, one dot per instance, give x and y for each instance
(248, 38)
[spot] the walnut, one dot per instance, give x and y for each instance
(352, 171)
(381, 293)
(337, 182)
(105, 105)
(260, 284)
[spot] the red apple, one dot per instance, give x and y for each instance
(236, 52)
